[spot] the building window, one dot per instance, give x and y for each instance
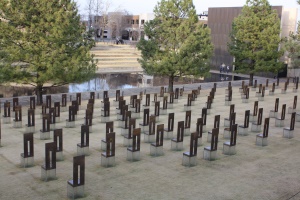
(104, 36)
(105, 31)
(137, 21)
(142, 21)
(128, 21)
(132, 21)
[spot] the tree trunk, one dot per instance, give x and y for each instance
(251, 79)
(171, 81)
(39, 94)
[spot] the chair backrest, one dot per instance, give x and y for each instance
(152, 125)
(232, 120)
(188, 116)
(233, 134)
(246, 119)
(171, 122)
(293, 117)
(137, 106)
(295, 102)
(63, 100)
(146, 117)
(165, 102)
(147, 100)
(162, 91)
(159, 135)
(189, 100)
(15, 102)
(46, 123)
(263, 91)
(78, 162)
(136, 139)
(171, 97)
(266, 128)
(58, 139)
(255, 109)
(180, 131)
(28, 142)
(176, 94)
(78, 98)
(92, 96)
(231, 110)
(118, 93)
(50, 155)
(199, 127)
(105, 94)
(32, 102)
(259, 117)
(276, 105)
(127, 118)
(273, 87)
(6, 109)
(209, 101)
(204, 115)
(283, 111)
(109, 127)
(217, 121)
(131, 127)
(31, 117)
(110, 144)
(85, 138)
(193, 144)
(229, 94)
(214, 139)
(18, 113)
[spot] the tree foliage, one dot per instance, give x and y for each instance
(255, 39)
(178, 44)
(292, 46)
(43, 42)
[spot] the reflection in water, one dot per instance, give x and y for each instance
(106, 82)
(116, 81)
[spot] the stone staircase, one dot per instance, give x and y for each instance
(116, 58)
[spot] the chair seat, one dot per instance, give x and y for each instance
(188, 154)
(260, 135)
(82, 145)
(175, 140)
(287, 128)
(131, 149)
(106, 155)
(227, 143)
(154, 144)
(207, 148)
(127, 137)
(71, 182)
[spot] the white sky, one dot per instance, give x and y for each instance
(146, 6)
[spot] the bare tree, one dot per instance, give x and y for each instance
(115, 20)
(90, 11)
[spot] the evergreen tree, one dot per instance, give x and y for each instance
(42, 42)
(177, 43)
(255, 39)
(292, 46)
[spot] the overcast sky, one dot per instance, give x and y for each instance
(146, 6)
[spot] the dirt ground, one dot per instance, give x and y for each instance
(271, 172)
